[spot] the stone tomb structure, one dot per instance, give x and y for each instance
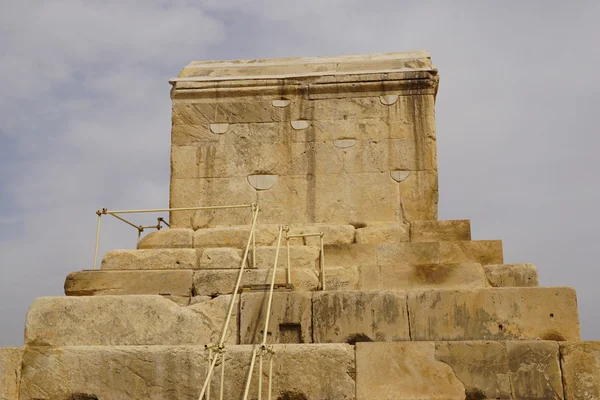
(413, 307)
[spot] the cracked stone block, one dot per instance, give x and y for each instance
(404, 371)
(535, 370)
(289, 311)
(10, 372)
(383, 233)
(316, 372)
(580, 363)
(494, 314)
(440, 231)
(149, 259)
(480, 251)
(220, 258)
(511, 275)
(139, 320)
(163, 282)
(176, 238)
(357, 316)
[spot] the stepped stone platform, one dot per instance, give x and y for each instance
(374, 297)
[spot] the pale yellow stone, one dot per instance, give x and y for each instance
(341, 278)
(432, 276)
(580, 365)
(290, 320)
(332, 234)
(404, 371)
(182, 301)
(494, 314)
(359, 316)
(511, 275)
(383, 233)
(234, 236)
(167, 239)
(440, 231)
(350, 255)
(319, 372)
(407, 253)
(480, 251)
(94, 283)
(10, 372)
(220, 258)
(419, 196)
(535, 371)
(119, 320)
(149, 259)
(300, 256)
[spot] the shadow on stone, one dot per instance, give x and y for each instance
(358, 337)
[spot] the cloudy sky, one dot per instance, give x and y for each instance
(85, 119)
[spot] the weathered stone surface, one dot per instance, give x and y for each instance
(341, 278)
(220, 258)
(511, 275)
(535, 370)
(182, 301)
(94, 283)
(404, 371)
(214, 312)
(319, 372)
(494, 314)
(350, 255)
(408, 253)
(383, 233)
(440, 231)
(118, 320)
(332, 234)
(482, 367)
(234, 236)
(481, 251)
(290, 320)
(167, 239)
(432, 276)
(419, 196)
(216, 282)
(358, 316)
(580, 363)
(300, 256)
(150, 259)
(10, 372)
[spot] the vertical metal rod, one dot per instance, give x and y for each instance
(222, 388)
(249, 378)
(209, 362)
(264, 341)
(207, 380)
(322, 264)
(270, 376)
(97, 240)
(260, 372)
(288, 274)
(254, 248)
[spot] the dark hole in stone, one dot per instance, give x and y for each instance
(82, 396)
(290, 333)
(551, 315)
(358, 225)
(475, 394)
(292, 395)
(553, 335)
(500, 326)
(358, 337)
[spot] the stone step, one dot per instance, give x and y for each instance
(10, 372)
(440, 231)
(353, 316)
(536, 370)
(511, 275)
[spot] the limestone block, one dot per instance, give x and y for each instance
(167, 239)
(182, 301)
(580, 364)
(480, 251)
(359, 316)
(341, 278)
(350, 255)
(404, 371)
(482, 367)
(149, 259)
(290, 201)
(215, 282)
(234, 236)
(300, 256)
(432, 276)
(407, 253)
(10, 372)
(235, 111)
(419, 195)
(214, 312)
(319, 372)
(440, 231)
(94, 283)
(535, 370)
(369, 277)
(332, 234)
(511, 275)
(140, 320)
(191, 135)
(220, 258)
(383, 233)
(494, 314)
(290, 320)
